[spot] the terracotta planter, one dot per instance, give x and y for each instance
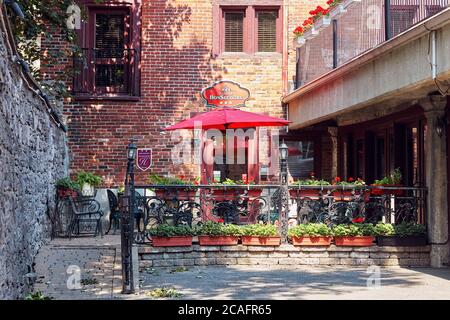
(260, 241)
(311, 241)
(304, 193)
(254, 193)
(171, 194)
(344, 195)
(380, 192)
(226, 195)
(408, 241)
(181, 241)
(362, 241)
(64, 192)
(218, 240)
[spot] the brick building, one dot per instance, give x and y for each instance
(144, 64)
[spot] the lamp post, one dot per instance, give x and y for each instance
(284, 193)
(127, 222)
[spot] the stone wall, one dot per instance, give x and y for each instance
(32, 157)
(283, 255)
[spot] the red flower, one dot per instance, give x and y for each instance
(313, 12)
(351, 179)
(330, 2)
(299, 29)
(358, 220)
(220, 220)
(337, 179)
(312, 174)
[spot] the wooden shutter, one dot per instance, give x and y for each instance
(267, 31)
(234, 31)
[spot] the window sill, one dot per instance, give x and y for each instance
(244, 55)
(106, 98)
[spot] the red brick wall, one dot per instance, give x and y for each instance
(177, 62)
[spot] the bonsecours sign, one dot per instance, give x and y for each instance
(225, 93)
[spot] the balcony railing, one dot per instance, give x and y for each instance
(354, 27)
(106, 73)
(243, 204)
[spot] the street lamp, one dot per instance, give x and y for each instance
(127, 222)
(131, 151)
(284, 193)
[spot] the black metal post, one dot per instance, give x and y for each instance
(335, 44)
(284, 194)
(127, 224)
(387, 19)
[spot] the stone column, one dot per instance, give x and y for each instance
(436, 179)
(333, 131)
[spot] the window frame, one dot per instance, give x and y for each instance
(86, 36)
(250, 37)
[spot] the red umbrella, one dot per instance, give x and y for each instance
(229, 118)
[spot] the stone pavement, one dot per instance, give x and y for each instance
(99, 263)
(95, 261)
(288, 282)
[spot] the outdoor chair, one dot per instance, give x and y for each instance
(114, 217)
(85, 211)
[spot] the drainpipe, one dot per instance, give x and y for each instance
(433, 55)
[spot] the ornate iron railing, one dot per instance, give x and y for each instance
(243, 204)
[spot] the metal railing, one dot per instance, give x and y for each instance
(355, 27)
(243, 204)
(105, 72)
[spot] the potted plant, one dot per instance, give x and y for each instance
(187, 190)
(218, 234)
(166, 235)
(88, 182)
(403, 234)
(347, 189)
(354, 235)
(231, 192)
(260, 235)
(310, 234)
(297, 191)
(393, 180)
(67, 188)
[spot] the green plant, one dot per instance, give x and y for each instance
(67, 183)
(164, 293)
(310, 230)
(37, 296)
(211, 228)
(259, 230)
(89, 178)
(395, 178)
(165, 230)
(311, 182)
(384, 229)
(409, 229)
(353, 230)
(167, 181)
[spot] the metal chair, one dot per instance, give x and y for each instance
(114, 217)
(85, 211)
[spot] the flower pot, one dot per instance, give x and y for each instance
(261, 241)
(359, 241)
(380, 192)
(179, 241)
(226, 195)
(304, 193)
(408, 241)
(218, 240)
(64, 192)
(343, 195)
(87, 190)
(311, 241)
(176, 194)
(254, 193)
